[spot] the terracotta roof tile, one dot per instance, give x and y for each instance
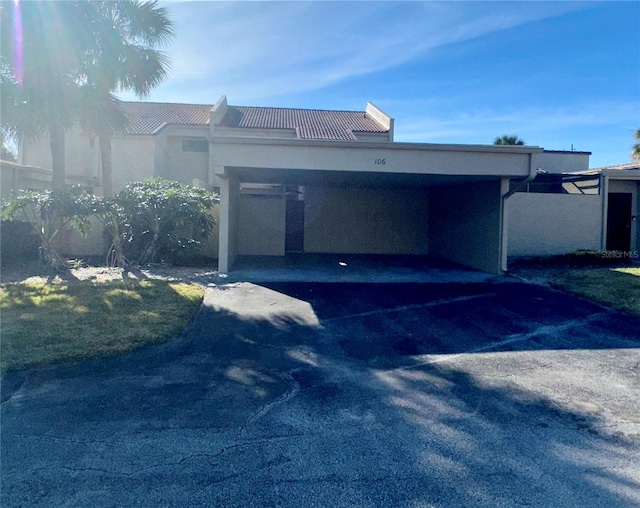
(151, 117)
(308, 123)
(628, 165)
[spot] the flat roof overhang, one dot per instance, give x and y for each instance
(367, 179)
(622, 174)
(274, 160)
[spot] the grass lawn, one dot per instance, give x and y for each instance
(614, 287)
(44, 323)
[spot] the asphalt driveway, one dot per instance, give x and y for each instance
(343, 394)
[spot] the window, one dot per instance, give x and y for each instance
(195, 145)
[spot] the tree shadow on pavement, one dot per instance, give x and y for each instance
(265, 408)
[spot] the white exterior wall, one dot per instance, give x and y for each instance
(229, 222)
(409, 158)
(562, 162)
(348, 220)
(245, 132)
(211, 246)
(466, 224)
(551, 224)
(82, 154)
(261, 225)
(132, 157)
(133, 160)
(184, 167)
(73, 244)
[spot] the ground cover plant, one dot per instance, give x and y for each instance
(47, 322)
(617, 287)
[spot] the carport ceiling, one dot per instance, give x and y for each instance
(350, 178)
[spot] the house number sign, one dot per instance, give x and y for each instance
(380, 161)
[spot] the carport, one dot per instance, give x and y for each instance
(294, 195)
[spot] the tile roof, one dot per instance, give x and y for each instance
(308, 123)
(628, 165)
(151, 117)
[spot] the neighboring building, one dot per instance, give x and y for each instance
(319, 181)
(570, 207)
(560, 211)
(621, 207)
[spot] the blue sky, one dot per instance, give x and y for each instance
(555, 73)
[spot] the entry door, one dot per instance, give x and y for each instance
(294, 232)
(619, 221)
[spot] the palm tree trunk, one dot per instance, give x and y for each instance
(104, 139)
(56, 138)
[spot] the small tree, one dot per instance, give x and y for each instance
(49, 213)
(157, 220)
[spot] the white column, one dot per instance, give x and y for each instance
(227, 249)
(504, 224)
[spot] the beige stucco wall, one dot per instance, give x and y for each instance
(184, 167)
(366, 221)
(82, 153)
(229, 223)
(211, 245)
(261, 225)
(623, 186)
(549, 224)
(465, 224)
(132, 159)
(73, 244)
(35, 152)
(407, 158)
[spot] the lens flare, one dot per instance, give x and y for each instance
(18, 55)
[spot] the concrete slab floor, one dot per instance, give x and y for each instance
(351, 268)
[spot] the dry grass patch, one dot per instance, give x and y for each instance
(615, 287)
(44, 323)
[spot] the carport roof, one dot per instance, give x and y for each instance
(273, 160)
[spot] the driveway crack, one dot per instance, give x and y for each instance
(292, 391)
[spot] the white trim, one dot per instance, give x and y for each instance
(381, 117)
(378, 145)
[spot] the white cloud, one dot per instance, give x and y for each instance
(254, 51)
(553, 128)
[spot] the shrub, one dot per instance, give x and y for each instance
(49, 213)
(19, 243)
(156, 220)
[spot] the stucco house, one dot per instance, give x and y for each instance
(570, 206)
(321, 181)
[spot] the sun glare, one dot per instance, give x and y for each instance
(17, 43)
